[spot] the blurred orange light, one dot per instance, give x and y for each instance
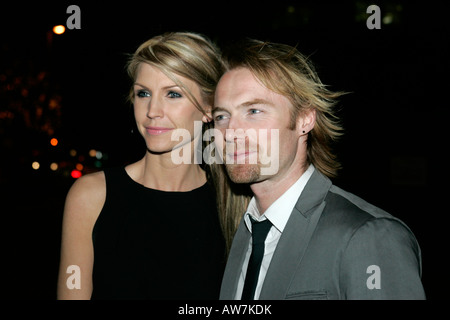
(54, 142)
(76, 174)
(59, 29)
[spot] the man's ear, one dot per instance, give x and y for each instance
(306, 121)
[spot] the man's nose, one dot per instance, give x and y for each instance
(235, 130)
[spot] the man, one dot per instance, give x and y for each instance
(320, 241)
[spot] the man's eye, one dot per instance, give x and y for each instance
(142, 94)
(173, 94)
(219, 117)
(254, 111)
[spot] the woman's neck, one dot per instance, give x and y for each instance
(158, 171)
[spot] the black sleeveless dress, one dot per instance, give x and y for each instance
(152, 244)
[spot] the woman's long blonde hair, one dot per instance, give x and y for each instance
(195, 57)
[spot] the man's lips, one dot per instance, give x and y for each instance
(157, 130)
(240, 155)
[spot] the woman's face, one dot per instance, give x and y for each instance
(161, 107)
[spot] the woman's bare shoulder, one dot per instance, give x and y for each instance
(87, 195)
(90, 185)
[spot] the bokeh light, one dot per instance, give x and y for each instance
(54, 142)
(60, 29)
(76, 174)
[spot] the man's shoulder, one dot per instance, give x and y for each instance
(349, 212)
(339, 199)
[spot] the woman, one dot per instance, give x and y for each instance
(151, 230)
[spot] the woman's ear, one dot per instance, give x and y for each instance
(207, 117)
(306, 122)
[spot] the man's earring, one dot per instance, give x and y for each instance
(303, 131)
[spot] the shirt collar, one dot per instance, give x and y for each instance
(280, 210)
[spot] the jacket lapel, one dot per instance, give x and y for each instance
(235, 261)
(295, 238)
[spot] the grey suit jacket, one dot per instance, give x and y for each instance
(334, 246)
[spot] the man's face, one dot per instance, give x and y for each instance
(244, 109)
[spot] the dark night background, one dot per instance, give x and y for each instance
(73, 87)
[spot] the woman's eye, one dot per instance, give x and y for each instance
(142, 94)
(173, 94)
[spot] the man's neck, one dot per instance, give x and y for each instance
(268, 191)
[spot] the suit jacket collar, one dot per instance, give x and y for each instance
(295, 238)
(314, 193)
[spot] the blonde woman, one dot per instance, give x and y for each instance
(151, 230)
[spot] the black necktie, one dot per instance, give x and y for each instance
(259, 234)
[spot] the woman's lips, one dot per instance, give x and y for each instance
(157, 130)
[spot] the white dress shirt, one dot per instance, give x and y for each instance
(278, 214)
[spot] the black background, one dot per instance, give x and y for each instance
(394, 152)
